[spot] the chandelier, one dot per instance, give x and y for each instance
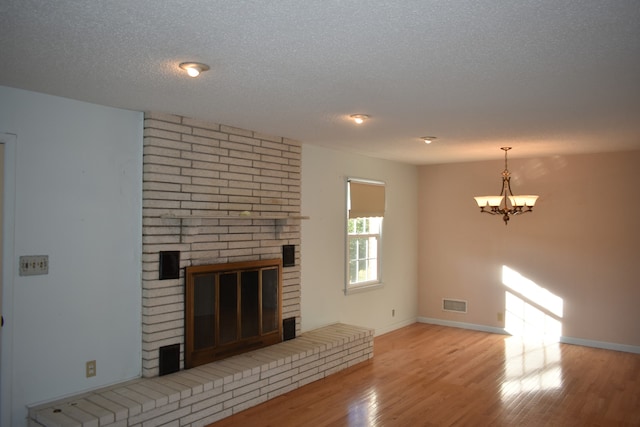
(497, 205)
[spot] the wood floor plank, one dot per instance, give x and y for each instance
(429, 375)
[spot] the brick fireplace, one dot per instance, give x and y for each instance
(205, 186)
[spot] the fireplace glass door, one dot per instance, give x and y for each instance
(231, 308)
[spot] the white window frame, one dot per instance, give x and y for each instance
(349, 287)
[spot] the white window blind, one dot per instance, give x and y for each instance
(366, 199)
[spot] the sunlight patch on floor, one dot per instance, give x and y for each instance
(532, 354)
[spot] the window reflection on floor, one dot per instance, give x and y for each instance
(364, 412)
(534, 319)
(530, 365)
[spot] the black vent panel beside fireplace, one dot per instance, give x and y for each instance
(231, 308)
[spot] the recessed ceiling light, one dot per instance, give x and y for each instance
(428, 139)
(194, 68)
(359, 118)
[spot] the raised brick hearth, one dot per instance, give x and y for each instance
(205, 394)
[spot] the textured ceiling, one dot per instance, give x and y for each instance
(546, 77)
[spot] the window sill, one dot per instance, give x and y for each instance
(353, 289)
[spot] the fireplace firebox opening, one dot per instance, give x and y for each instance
(231, 308)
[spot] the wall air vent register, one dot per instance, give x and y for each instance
(455, 305)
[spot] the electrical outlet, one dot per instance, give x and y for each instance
(91, 368)
(393, 312)
(33, 265)
(500, 317)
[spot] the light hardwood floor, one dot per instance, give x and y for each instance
(428, 375)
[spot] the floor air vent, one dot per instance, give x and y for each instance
(455, 305)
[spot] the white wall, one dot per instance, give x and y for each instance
(78, 200)
(324, 174)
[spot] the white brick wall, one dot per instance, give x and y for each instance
(195, 167)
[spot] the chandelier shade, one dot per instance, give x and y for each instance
(488, 201)
(524, 201)
(506, 203)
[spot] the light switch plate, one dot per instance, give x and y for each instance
(33, 265)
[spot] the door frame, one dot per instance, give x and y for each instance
(6, 286)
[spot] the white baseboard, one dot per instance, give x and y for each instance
(472, 326)
(566, 340)
(601, 344)
(394, 326)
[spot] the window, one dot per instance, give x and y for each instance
(364, 236)
(365, 210)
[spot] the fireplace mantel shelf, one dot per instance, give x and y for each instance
(278, 219)
(228, 216)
